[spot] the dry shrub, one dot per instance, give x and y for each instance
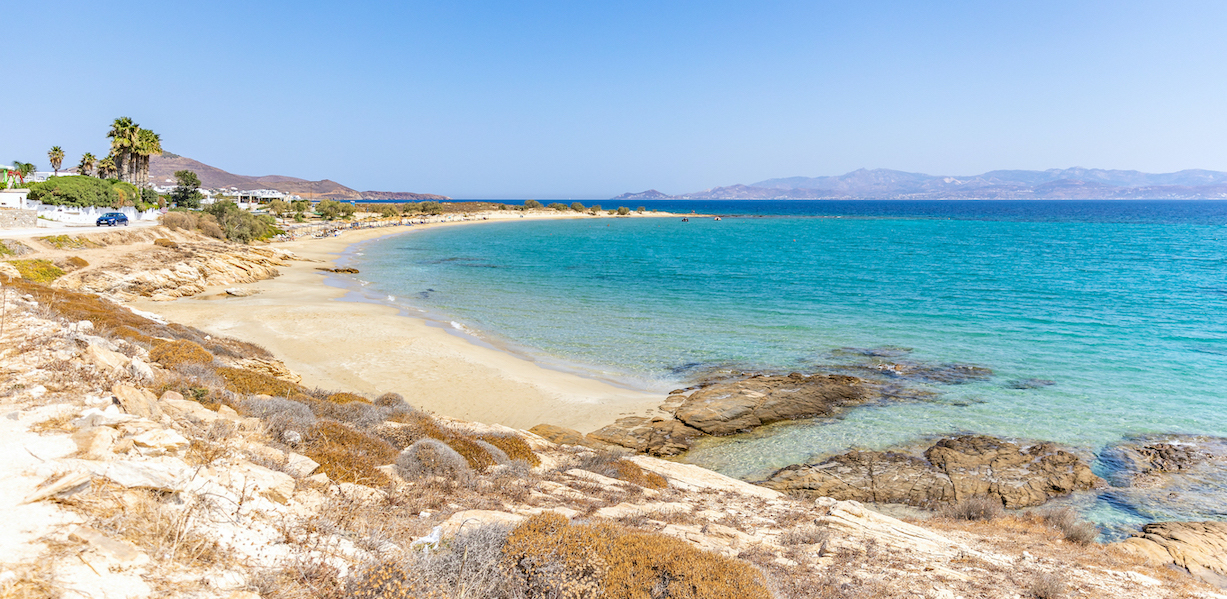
(347, 455)
(515, 447)
(250, 382)
(76, 262)
(233, 348)
(175, 353)
(478, 458)
(392, 400)
(302, 578)
(344, 398)
(179, 220)
(149, 519)
(1048, 586)
(431, 457)
(974, 508)
(208, 225)
(611, 464)
(279, 415)
(1074, 528)
(499, 456)
(388, 580)
(60, 423)
(805, 535)
(557, 559)
(165, 243)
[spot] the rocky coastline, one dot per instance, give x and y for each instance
(149, 458)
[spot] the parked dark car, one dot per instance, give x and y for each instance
(111, 219)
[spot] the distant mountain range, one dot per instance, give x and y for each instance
(162, 172)
(1052, 184)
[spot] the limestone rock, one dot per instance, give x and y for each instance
(95, 443)
(111, 416)
(160, 442)
(654, 436)
(858, 524)
(140, 370)
(248, 477)
(952, 470)
(273, 368)
(186, 409)
(119, 551)
(104, 358)
(471, 519)
(137, 402)
(1199, 547)
(241, 291)
(65, 485)
(558, 434)
(688, 477)
(727, 408)
(300, 466)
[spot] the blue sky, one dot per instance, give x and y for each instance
(588, 100)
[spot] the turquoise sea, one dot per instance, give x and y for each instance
(1100, 321)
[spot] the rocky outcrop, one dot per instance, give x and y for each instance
(653, 436)
(738, 406)
(953, 470)
(1199, 547)
(171, 273)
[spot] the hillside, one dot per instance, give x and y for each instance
(162, 171)
(1051, 184)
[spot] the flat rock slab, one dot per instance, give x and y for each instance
(955, 469)
(1199, 547)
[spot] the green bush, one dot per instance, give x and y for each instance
(623, 211)
(77, 190)
(240, 225)
(531, 204)
(559, 207)
(578, 207)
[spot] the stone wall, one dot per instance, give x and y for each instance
(18, 219)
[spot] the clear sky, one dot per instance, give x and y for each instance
(588, 100)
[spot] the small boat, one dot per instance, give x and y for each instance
(685, 220)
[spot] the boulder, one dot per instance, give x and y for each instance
(654, 436)
(1199, 547)
(189, 410)
(95, 443)
(953, 470)
(160, 442)
(299, 466)
(140, 370)
(246, 477)
(738, 406)
(137, 402)
(558, 434)
(104, 358)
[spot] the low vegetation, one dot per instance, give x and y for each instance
(37, 270)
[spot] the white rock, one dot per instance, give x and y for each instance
(300, 466)
(138, 402)
(246, 477)
(110, 416)
(119, 551)
(693, 478)
(160, 442)
(95, 443)
(105, 359)
(141, 370)
(470, 519)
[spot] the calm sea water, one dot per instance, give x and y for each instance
(1099, 320)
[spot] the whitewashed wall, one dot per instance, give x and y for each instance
(88, 215)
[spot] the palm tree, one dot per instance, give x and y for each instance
(87, 164)
(148, 144)
(123, 135)
(106, 167)
(23, 170)
(56, 155)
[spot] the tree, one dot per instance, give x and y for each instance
(623, 211)
(241, 225)
(279, 207)
(187, 192)
(329, 209)
(23, 170)
(531, 204)
(123, 136)
(106, 167)
(75, 191)
(86, 167)
(148, 144)
(578, 207)
(56, 156)
(301, 205)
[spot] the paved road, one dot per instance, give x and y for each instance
(58, 228)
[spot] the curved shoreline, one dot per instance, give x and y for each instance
(376, 348)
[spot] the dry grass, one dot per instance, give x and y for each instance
(805, 535)
(33, 580)
(165, 243)
(76, 262)
(176, 353)
(344, 398)
(980, 507)
(37, 270)
(1074, 529)
(611, 464)
(59, 424)
(1048, 586)
(63, 242)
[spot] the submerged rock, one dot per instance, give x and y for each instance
(1169, 477)
(738, 406)
(952, 470)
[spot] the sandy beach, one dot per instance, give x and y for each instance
(374, 349)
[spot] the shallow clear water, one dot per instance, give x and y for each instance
(1122, 307)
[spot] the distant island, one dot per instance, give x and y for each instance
(1052, 184)
(162, 172)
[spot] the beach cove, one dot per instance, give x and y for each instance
(376, 348)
